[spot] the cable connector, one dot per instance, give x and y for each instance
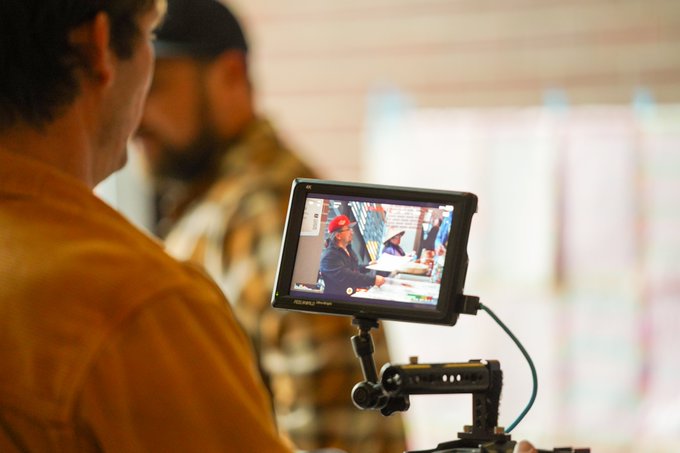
(469, 305)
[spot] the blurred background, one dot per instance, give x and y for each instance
(564, 118)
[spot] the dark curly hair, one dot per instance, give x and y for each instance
(37, 62)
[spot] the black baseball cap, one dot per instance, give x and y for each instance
(198, 28)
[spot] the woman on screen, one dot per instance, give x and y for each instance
(391, 244)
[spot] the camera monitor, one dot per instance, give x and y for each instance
(375, 252)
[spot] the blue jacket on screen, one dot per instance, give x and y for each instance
(393, 249)
(341, 272)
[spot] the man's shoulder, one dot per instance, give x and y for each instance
(79, 276)
(111, 272)
(100, 254)
(269, 163)
(333, 251)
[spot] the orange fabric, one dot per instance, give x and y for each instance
(106, 343)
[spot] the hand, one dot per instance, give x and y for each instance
(379, 280)
(525, 447)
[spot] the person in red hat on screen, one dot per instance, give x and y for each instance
(340, 267)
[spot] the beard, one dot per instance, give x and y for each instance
(198, 160)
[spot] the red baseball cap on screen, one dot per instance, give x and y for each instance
(339, 222)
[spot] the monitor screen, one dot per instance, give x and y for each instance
(374, 251)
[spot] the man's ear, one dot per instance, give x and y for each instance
(92, 39)
(231, 67)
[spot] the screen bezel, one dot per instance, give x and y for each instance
(455, 268)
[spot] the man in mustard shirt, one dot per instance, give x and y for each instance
(106, 343)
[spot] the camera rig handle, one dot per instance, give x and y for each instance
(390, 393)
(482, 379)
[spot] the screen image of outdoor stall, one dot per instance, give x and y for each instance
(373, 251)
